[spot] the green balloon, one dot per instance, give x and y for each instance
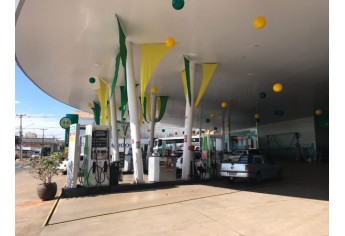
(262, 95)
(163, 130)
(178, 4)
(92, 80)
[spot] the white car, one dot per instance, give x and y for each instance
(63, 167)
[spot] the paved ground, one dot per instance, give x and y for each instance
(297, 205)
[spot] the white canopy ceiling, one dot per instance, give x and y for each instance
(60, 44)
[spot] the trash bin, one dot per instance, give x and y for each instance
(114, 172)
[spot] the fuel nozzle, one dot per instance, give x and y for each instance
(93, 167)
(105, 167)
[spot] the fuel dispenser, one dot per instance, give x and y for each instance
(95, 169)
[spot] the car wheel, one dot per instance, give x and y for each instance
(279, 174)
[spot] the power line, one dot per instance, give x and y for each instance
(21, 136)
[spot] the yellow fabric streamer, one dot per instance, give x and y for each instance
(151, 55)
(102, 93)
(184, 82)
(207, 72)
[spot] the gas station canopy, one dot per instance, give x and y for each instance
(61, 44)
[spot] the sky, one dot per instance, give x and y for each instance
(42, 112)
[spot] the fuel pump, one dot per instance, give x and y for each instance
(96, 156)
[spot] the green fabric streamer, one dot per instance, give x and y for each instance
(123, 50)
(124, 100)
(164, 102)
(186, 64)
(144, 111)
(97, 113)
(116, 73)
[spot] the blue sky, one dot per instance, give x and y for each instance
(42, 111)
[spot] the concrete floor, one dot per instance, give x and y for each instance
(296, 205)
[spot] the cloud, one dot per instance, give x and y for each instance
(47, 124)
(17, 102)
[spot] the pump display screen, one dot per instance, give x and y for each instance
(100, 138)
(100, 145)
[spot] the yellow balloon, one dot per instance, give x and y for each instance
(257, 116)
(170, 42)
(212, 115)
(224, 105)
(277, 87)
(259, 22)
(89, 104)
(154, 89)
(318, 112)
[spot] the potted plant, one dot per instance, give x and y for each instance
(44, 168)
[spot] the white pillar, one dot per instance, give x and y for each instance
(188, 127)
(113, 123)
(134, 117)
(152, 124)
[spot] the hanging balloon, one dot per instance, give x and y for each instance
(262, 95)
(207, 120)
(178, 4)
(212, 115)
(170, 42)
(224, 104)
(163, 130)
(215, 128)
(257, 116)
(154, 89)
(89, 104)
(92, 80)
(277, 87)
(318, 112)
(259, 22)
(175, 133)
(182, 132)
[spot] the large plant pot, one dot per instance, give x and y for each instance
(46, 191)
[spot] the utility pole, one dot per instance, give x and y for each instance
(20, 136)
(42, 140)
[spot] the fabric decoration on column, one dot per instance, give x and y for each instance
(207, 72)
(184, 82)
(116, 73)
(102, 93)
(124, 100)
(151, 56)
(96, 112)
(186, 64)
(162, 106)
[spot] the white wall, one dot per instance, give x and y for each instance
(304, 126)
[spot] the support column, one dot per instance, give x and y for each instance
(134, 117)
(152, 125)
(188, 127)
(113, 124)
